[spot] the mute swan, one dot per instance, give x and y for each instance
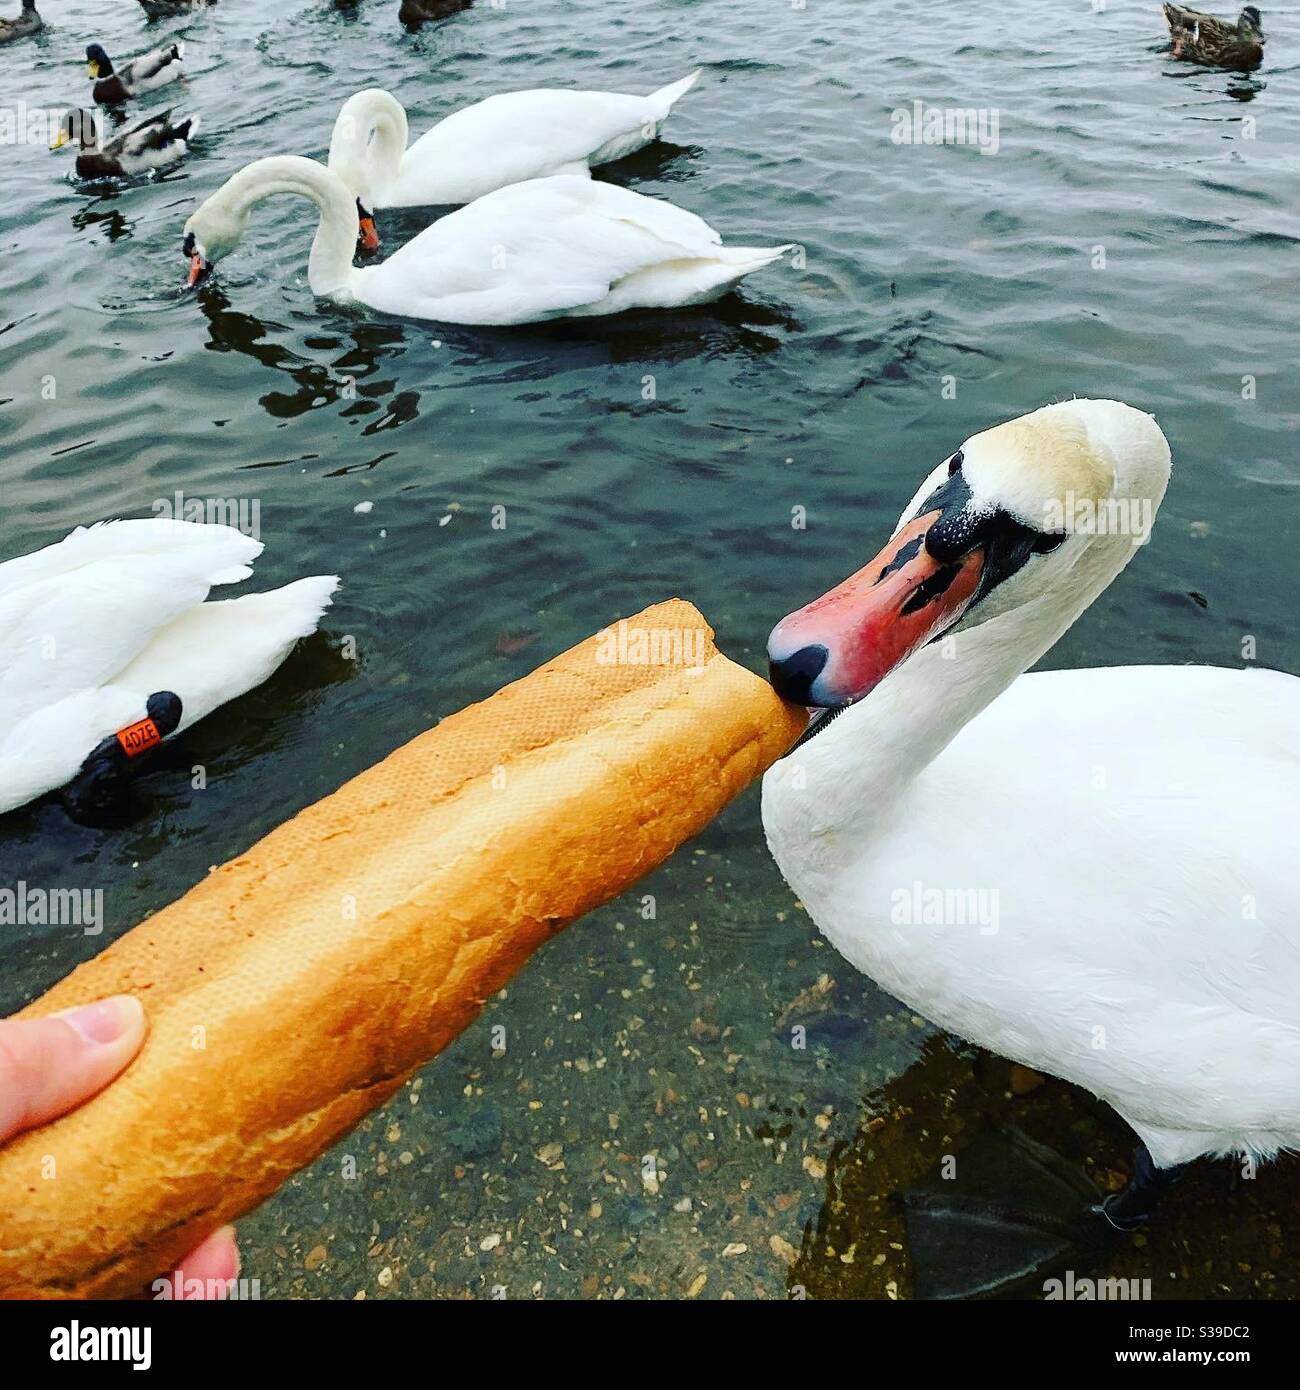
(1134, 825)
(115, 85)
(505, 139)
(544, 249)
(94, 626)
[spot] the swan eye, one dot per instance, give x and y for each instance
(1048, 541)
(955, 463)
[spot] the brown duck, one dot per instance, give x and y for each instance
(413, 13)
(27, 22)
(1214, 43)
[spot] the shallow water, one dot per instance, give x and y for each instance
(820, 386)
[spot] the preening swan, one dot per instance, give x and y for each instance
(93, 627)
(1136, 824)
(548, 248)
(505, 139)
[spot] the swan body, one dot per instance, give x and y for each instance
(90, 627)
(548, 248)
(508, 138)
(1088, 872)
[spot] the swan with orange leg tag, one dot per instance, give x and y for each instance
(107, 647)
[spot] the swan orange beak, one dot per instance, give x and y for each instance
(198, 269)
(369, 238)
(841, 646)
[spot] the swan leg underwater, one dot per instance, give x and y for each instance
(1123, 957)
(107, 647)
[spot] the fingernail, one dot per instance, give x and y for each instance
(105, 1021)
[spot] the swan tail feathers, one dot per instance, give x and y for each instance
(667, 97)
(750, 258)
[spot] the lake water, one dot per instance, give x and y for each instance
(1134, 234)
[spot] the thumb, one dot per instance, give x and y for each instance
(48, 1066)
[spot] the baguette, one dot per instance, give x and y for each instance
(299, 985)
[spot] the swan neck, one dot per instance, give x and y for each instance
(368, 144)
(870, 755)
(329, 268)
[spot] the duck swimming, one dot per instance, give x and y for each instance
(1200, 38)
(26, 22)
(143, 74)
(168, 9)
(154, 143)
(1136, 823)
(504, 139)
(548, 248)
(106, 633)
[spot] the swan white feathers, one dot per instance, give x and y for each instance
(507, 138)
(1133, 825)
(547, 248)
(93, 625)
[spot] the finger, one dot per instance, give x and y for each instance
(209, 1269)
(48, 1066)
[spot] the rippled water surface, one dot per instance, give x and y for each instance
(1134, 235)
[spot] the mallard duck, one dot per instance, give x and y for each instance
(153, 144)
(153, 69)
(504, 139)
(27, 22)
(121, 607)
(571, 247)
(413, 13)
(166, 9)
(1200, 38)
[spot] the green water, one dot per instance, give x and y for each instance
(1135, 235)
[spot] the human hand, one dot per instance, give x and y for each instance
(49, 1066)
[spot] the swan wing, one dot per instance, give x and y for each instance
(516, 136)
(537, 248)
(74, 614)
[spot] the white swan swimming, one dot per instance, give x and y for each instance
(94, 625)
(548, 248)
(507, 138)
(1135, 824)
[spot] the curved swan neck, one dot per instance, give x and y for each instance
(367, 144)
(329, 270)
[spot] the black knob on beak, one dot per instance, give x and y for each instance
(792, 676)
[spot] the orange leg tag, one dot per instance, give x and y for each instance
(139, 737)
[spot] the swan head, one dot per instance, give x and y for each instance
(366, 147)
(1028, 507)
(211, 232)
